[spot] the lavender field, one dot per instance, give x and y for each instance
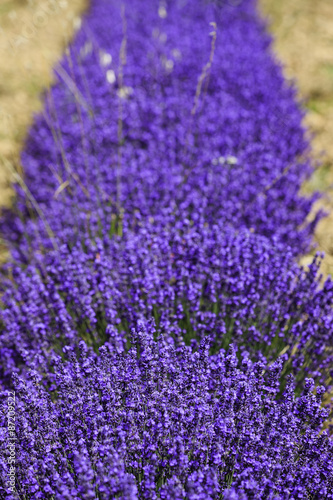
(159, 339)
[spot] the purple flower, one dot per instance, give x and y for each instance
(167, 422)
(195, 281)
(160, 336)
(135, 123)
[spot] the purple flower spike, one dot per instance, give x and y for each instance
(166, 422)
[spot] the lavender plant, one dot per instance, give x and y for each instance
(200, 131)
(166, 422)
(161, 189)
(195, 281)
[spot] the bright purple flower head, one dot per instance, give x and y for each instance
(166, 422)
(195, 281)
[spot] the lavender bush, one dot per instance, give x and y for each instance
(160, 422)
(162, 190)
(158, 110)
(193, 280)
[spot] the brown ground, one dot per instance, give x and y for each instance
(33, 34)
(303, 31)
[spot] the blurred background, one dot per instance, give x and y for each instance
(34, 34)
(303, 32)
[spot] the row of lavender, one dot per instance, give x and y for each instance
(160, 336)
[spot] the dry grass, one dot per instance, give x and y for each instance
(33, 35)
(303, 31)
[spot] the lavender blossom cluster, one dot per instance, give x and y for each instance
(195, 281)
(160, 422)
(158, 110)
(160, 337)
